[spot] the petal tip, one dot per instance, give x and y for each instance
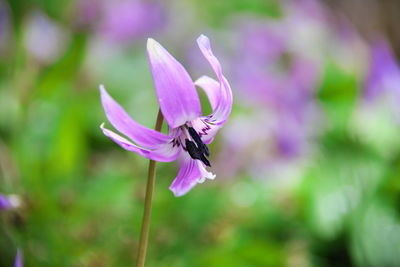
(150, 41)
(199, 80)
(202, 39)
(155, 51)
(152, 44)
(176, 192)
(103, 90)
(204, 81)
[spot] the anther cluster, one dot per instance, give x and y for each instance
(197, 149)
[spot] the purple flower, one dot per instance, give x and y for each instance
(44, 39)
(4, 202)
(18, 259)
(384, 73)
(5, 27)
(9, 202)
(126, 20)
(189, 131)
(87, 12)
(279, 78)
(120, 21)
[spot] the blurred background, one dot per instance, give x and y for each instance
(307, 165)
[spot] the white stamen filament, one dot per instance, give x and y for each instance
(204, 173)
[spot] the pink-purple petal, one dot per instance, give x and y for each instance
(177, 96)
(121, 121)
(186, 179)
(212, 89)
(206, 130)
(164, 152)
(191, 172)
(224, 105)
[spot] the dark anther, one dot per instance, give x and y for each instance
(205, 160)
(192, 149)
(203, 147)
(195, 152)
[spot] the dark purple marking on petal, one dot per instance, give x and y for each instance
(176, 142)
(204, 131)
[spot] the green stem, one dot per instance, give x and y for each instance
(151, 177)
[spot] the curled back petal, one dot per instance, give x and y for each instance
(206, 126)
(224, 103)
(211, 88)
(177, 96)
(190, 173)
(164, 152)
(121, 121)
(205, 129)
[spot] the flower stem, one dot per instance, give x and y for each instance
(151, 177)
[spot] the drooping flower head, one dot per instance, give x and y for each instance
(189, 131)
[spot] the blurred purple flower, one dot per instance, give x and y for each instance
(313, 9)
(18, 259)
(189, 131)
(4, 203)
(279, 79)
(276, 74)
(263, 42)
(87, 12)
(127, 20)
(9, 202)
(5, 27)
(44, 39)
(384, 73)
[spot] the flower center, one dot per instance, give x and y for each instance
(196, 148)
